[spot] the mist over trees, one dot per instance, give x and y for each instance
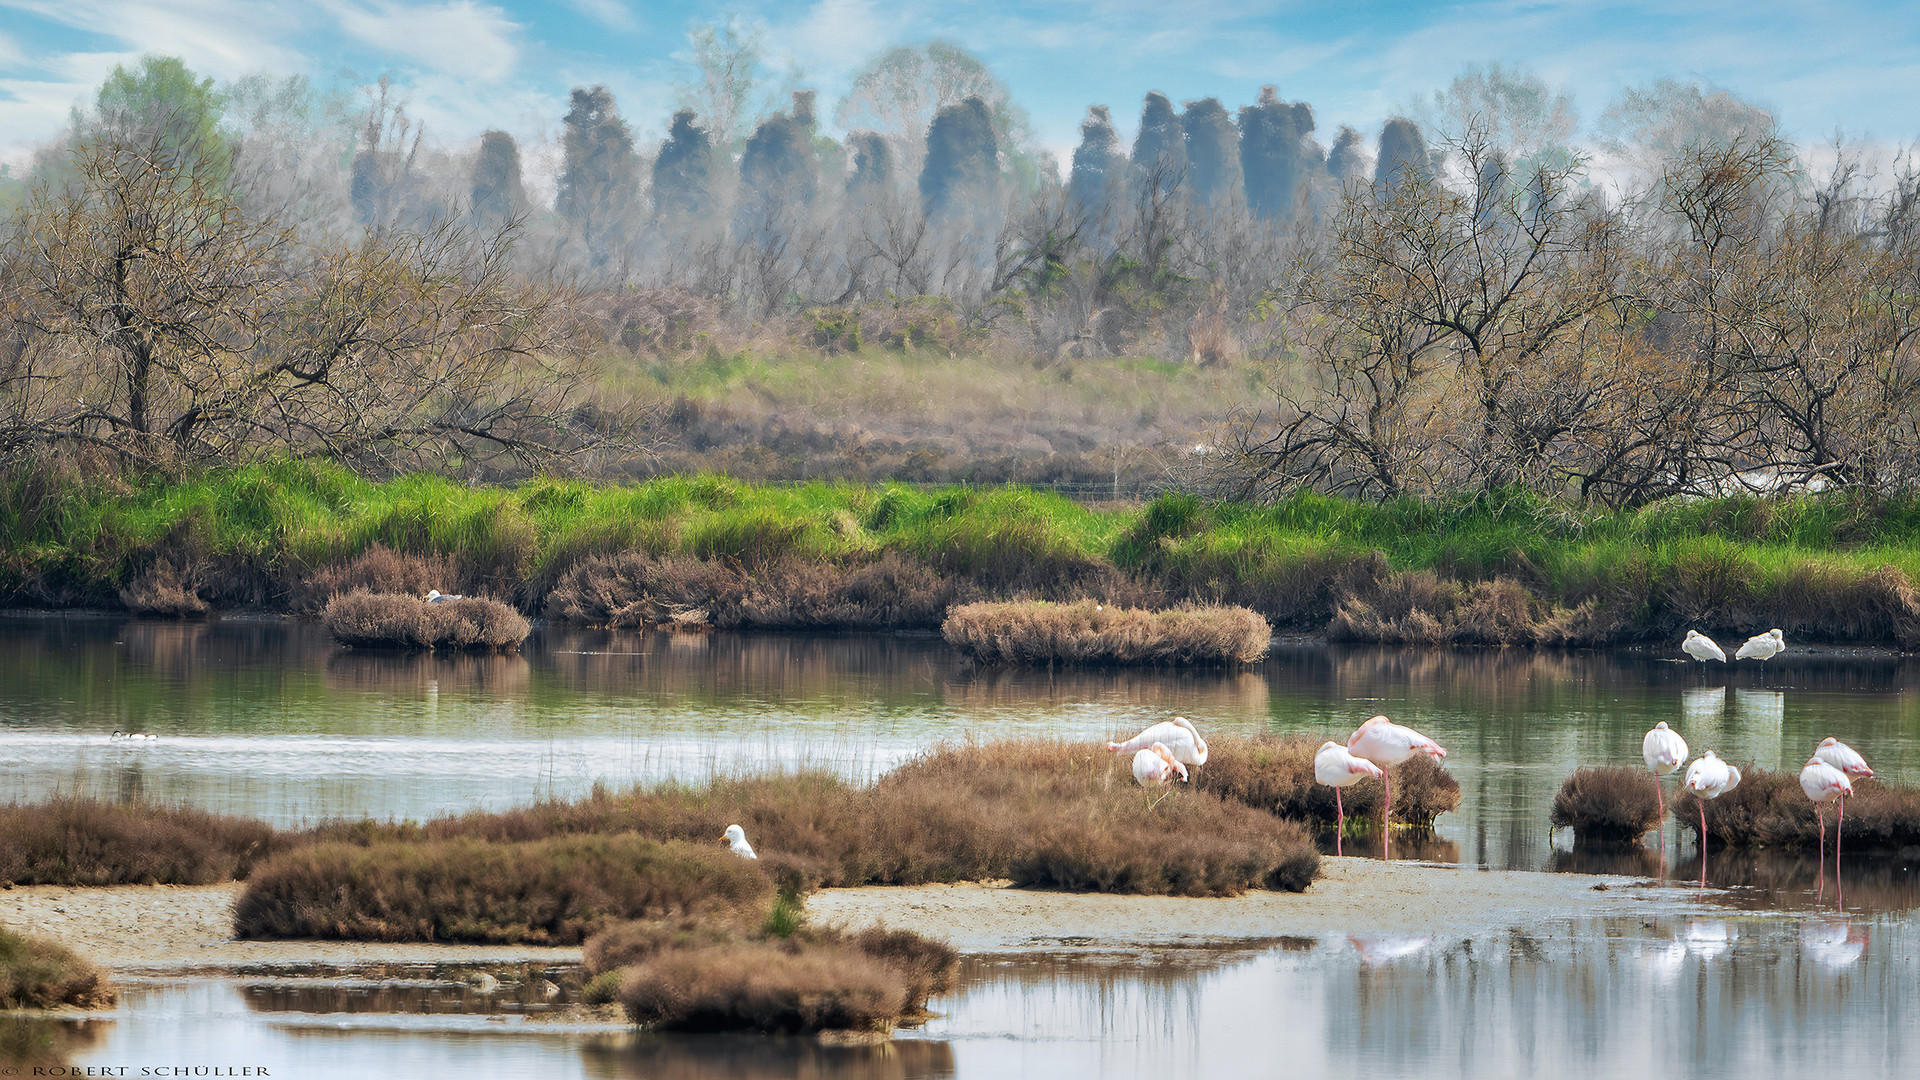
(1454, 304)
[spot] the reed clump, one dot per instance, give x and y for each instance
(1275, 774)
(1087, 632)
(364, 619)
(37, 974)
(1769, 809)
(83, 841)
(546, 892)
(1611, 804)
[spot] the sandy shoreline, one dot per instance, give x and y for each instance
(166, 929)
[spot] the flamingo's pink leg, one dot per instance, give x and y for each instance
(1340, 820)
(1703, 841)
(1821, 812)
(1839, 890)
(1386, 818)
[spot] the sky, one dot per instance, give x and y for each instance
(469, 65)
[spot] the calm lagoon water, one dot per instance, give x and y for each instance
(268, 718)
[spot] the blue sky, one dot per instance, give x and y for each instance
(467, 65)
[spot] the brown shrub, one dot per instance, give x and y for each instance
(1419, 607)
(37, 974)
(555, 891)
(364, 618)
(378, 569)
(80, 841)
(1037, 632)
(1275, 774)
(772, 986)
(1613, 804)
(163, 589)
(1769, 809)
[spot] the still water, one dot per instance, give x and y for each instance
(268, 718)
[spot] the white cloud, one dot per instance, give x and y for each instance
(608, 13)
(461, 37)
(223, 38)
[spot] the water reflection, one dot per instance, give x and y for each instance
(719, 1057)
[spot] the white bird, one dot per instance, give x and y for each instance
(1824, 783)
(736, 839)
(435, 596)
(1843, 757)
(1335, 767)
(1179, 736)
(1387, 744)
(133, 735)
(1664, 750)
(1709, 778)
(1155, 766)
(1762, 646)
(1702, 648)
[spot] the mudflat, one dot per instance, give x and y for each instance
(177, 929)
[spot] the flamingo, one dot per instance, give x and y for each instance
(1664, 750)
(1824, 783)
(1155, 766)
(1179, 736)
(1709, 778)
(1387, 744)
(1843, 757)
(435, 596)
(1702, 648)
(736, 838)
(1335, 767)
(1762, 646)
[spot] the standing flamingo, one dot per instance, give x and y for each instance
(1702, 648)
(1156, 766)
(1387, 744)
(1664, 750)
(1824, 783)
(1179, 736)
(1709, 778)
(1336, 768)
(1843, 757)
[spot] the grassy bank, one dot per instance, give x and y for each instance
(714, 551)
(36, 974)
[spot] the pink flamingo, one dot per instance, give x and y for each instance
(1387, 744)
(1824, 783)
(1178, 734)
(1156, 766)
(1664, 750)
(1709, 778)
(1336, 768)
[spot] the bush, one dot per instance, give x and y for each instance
(548, 892)
(36, 974)
(80, 841)
(1768, 809)
(1613, 804)
(375, 619)
(1085, 632)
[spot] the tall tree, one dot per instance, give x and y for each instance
(599, 175)
(1213, 152)
(779, 167)
(729, 84)
(899, 92)
(1347, 161)
(1509, 108)
(1277, 154)
(1403, 155)
(962, 165)
(872, 166)
(1098, 167)
(684, 174)
(1160, 148)
(160, 95)
(497, 192)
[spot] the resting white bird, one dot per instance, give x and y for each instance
(1702, 648)
(1709, 778)
(1824, 783)
(736, 839)
(1843, 757)
(1177, 734)
(1664, 750)
(435, 596)
(1335, 767)
(1762, 646)
(132, 735)
(1387, 744)
(1155, 766)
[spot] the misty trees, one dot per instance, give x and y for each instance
(684, 173)
(496, 190)
(1099, 169)
(1278, 155)
(599, 178)
(962, 166)
(1213, 153)
(1403, 156)
(152, 315)
(1160, 147)
(898, 94)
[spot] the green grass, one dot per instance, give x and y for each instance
(74, 537)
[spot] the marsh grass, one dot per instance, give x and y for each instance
(1275, 774)
(83, 841)
(369, 619)
(556, 891)
(1769, 809)
(37, 974)
(1613, 804)
(1086, 632)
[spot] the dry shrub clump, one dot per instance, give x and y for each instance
(547, 892)
(636, 590)
(1085, 632)
(1419, 607)
(79, 841)
(1613, 804)
(387, 619)
(378, 569)
(1275, 774)
(36, 974)
(1768, 809)
(163, 589)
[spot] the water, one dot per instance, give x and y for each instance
(267, 718)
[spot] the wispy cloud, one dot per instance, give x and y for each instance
(608, 13)
(461, 37)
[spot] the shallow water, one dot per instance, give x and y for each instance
(267, 718)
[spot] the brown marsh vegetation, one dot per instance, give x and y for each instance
(1275, 774)
(1088, 632)
(365, 619)
(1611, 804)
(82, 841)
(36, 974)
(1768, 809)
